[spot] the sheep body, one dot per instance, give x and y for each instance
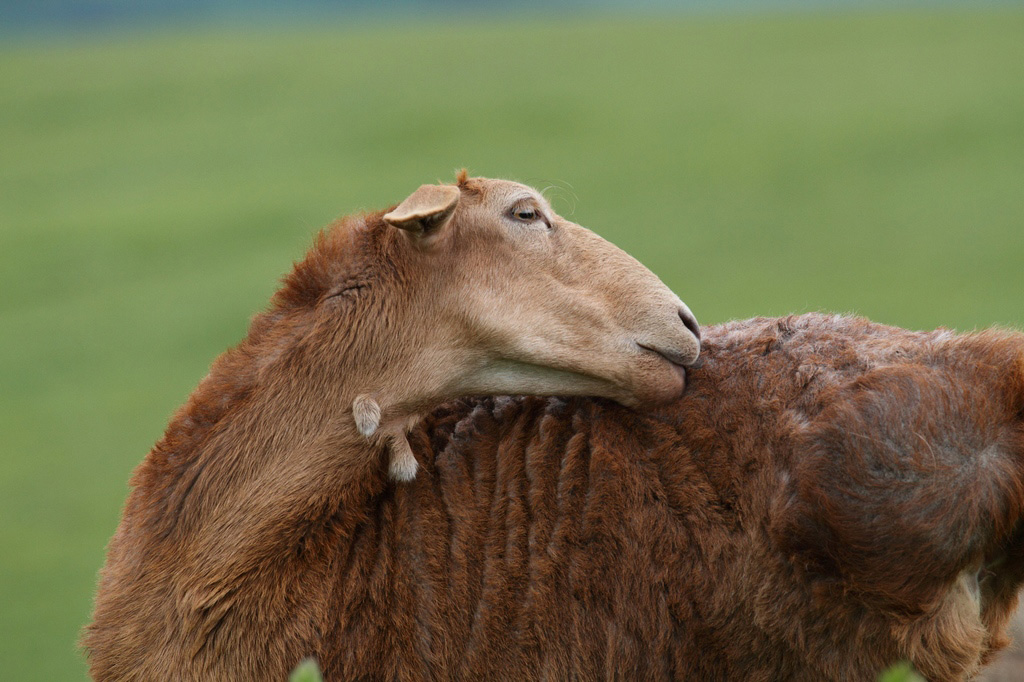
(819, 504)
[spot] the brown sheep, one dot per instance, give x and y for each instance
(827, 497)
(243, 514)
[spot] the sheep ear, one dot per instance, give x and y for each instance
(426, 210)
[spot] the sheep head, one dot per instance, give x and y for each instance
(535, 304)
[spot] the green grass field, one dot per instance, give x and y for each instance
(153, 189)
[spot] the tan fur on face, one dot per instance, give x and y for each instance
(549, 334)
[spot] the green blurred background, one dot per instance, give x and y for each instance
(156, 181)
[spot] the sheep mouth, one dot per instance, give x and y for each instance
(662, 376)
(673, 357)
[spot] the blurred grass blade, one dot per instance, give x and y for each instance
(901, 672)
(306, 671)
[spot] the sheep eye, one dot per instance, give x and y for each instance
(527, 215)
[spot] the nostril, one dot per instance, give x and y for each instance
(690, 322)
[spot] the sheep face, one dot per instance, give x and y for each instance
(523, 301)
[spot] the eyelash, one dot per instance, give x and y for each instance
(534, 216)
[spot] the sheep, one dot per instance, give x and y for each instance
(825, 497)
(243, 517)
